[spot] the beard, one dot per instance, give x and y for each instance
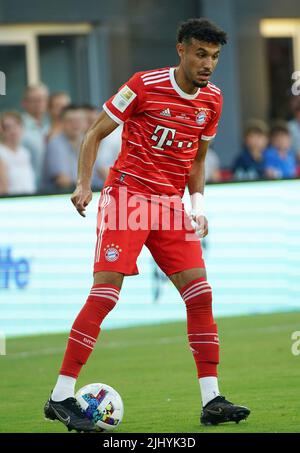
(200, 84)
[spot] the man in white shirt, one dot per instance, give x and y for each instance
(16, 172)
(36, 125)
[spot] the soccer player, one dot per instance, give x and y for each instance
(169, 117)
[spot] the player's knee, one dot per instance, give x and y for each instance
(110, 278)
(185, 277)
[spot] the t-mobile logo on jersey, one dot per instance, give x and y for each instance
(164, 136)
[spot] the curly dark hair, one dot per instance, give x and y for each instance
(202, 30)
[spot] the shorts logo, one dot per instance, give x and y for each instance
(112, 252)
(123, 98)
(201, 117)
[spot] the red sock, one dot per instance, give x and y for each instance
(201, 328)
(86, 327)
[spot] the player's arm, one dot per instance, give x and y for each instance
(102, 127)
(196, 185)
(196, 180)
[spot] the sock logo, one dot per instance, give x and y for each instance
(194, 350)
(86, 340)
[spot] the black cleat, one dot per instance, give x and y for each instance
(219, 410)
(70, 414)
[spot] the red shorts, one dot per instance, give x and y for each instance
(126, 222)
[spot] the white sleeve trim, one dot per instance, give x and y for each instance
(113, 117)
(207, 137)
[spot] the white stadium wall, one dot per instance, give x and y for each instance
(252, 257)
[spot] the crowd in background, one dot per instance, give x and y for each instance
(267, 151)
(39, 147)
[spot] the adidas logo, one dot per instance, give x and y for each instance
(165, 112)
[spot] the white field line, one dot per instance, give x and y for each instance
(109, 345)
(135, 343)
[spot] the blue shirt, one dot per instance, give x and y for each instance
(285, 167)
(246, 167)
(62, 158)
(34, 139)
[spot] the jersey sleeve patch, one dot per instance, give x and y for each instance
(123, 98)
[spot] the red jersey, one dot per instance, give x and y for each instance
(161, 132)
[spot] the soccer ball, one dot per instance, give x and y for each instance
(102, 404)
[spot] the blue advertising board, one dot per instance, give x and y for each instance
(252, 255)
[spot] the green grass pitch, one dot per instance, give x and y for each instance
(153, 370)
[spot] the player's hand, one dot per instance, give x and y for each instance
(81, 197)
(200, 224)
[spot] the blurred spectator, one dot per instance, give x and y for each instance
(60, 165)
(249, 164)
(36, 125)
(16, 172)
(294, 125)
(212, 166)
(280, 160)
(91, 114)
(57, 102)
(61, 160)
(108, 151)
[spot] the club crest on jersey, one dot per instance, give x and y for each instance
(112, 252)
(201, 117)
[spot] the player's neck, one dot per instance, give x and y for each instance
(184, 84)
